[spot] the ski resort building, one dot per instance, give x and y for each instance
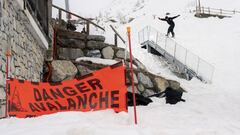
(25, 33)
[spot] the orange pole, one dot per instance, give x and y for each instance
(8, 54)
(131, 68)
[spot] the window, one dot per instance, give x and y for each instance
(39, 10)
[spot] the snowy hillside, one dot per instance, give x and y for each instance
(210, 109)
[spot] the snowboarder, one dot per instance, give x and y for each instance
(169, 20)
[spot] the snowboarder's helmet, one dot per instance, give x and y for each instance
(167, 14)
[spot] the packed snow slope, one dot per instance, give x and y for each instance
(210, 109)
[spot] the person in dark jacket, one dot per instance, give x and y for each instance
(169, 20)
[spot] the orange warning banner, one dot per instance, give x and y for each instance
(103, 89)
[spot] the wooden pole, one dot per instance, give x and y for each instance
(88, 28)
(131, 67)
(115, 39)
(115, 31)
(59, 15)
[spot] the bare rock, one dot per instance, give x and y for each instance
(108, 52)
(63, 70)
(121, 54)
(95, 45)
(129, 89)
(71, 35)
(141, 88)
(83, 70)
(70, 53)
(161, 83)
(174, 84)
(145, 80)
(72, 43)
(148, 92)
(96, 38)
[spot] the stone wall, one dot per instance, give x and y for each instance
(27, 54)
(73, 45)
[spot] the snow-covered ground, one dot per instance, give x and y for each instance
(210, 109)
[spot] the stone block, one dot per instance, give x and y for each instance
(2, 80)
(94, 53)
(70, 53)
(2, 110)
(96, 38)
(141, 88)
(95, 45)
(83, 70)
(121, 54)
(71, 35)
(63, 70)
(145, 80)
(148, 92)
(2, 93)
(129, 89)
(174, 84)
(72, 43)
(107, 52)
(161, 83)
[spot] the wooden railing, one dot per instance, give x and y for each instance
(116, 36)
(214, 11)
(88, 22)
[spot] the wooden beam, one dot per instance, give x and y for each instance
(118, 34)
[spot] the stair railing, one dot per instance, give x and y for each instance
(201, 68)
(116, 36)
(87, 21)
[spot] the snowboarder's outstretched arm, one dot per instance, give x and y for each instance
(175, 17)
(162, 19)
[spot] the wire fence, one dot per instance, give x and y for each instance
(202, 69)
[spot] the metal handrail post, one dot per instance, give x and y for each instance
(174, 54)
(198, 65)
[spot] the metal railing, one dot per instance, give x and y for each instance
(214, 11)
(200, 67)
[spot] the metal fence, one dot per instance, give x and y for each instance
(202, 69)
(214, 11)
